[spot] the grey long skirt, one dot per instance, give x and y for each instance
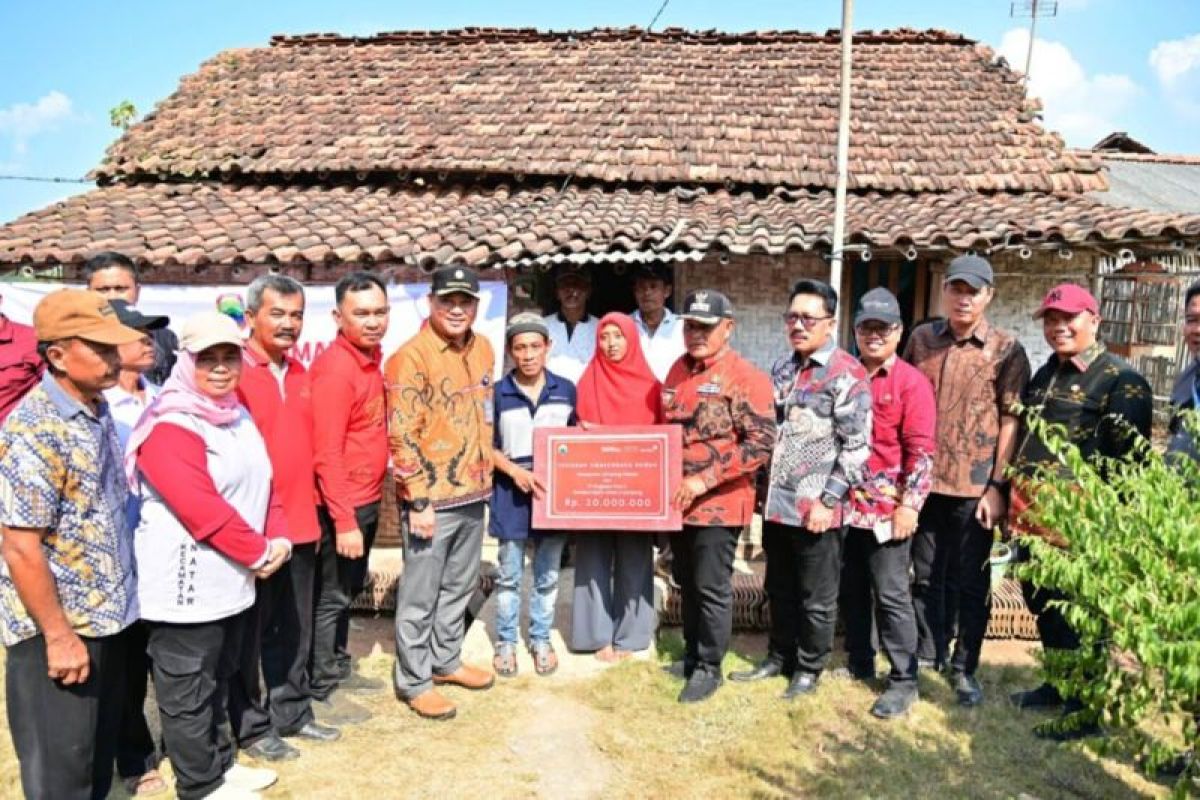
(613, 601)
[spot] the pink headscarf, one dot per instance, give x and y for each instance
(179, 395)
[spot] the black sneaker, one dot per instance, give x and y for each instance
(895, 702)
(271, 748)
(1044, 696)
(968, 690)
(701, 686)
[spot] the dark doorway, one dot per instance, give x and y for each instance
(612, 290)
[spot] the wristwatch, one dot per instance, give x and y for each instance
(1000, 486)
(418, 504)
(829, 501)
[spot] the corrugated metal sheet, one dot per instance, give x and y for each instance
(1152, 186)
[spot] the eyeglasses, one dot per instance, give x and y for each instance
(876, 330)
(804, 319)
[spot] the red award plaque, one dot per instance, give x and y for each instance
(613, 478)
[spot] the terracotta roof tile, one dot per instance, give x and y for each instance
(195, 224)
(933, 111)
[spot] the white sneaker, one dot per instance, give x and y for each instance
(227, 791)
(250, 779)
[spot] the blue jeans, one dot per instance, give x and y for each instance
(547, 556)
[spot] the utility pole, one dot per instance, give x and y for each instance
(843, 153)
(1032, 9)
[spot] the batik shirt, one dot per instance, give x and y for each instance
(1101, 402)
(61, 471)
(977, 381)
(823, 406)
(900, 469)
(724, 406)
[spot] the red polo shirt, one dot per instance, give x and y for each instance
(284, 417)
(350, 443)
(20, 364)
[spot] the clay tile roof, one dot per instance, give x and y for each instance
(933, 111)
(220, 223)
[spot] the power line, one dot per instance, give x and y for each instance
(40, 179)
(658, 14)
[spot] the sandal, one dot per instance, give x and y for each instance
(148, 783)
(545, 660)
(505, 660)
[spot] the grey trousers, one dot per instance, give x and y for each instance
(613, 602)
(439, 577)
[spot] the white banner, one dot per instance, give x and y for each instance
(410, 306)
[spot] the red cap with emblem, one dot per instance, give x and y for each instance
(1070, 298)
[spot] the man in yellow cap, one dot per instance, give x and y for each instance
(67, 583)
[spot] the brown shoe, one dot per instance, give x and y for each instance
(432, 705)
(467, 677)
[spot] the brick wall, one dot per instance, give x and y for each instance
(759, 286)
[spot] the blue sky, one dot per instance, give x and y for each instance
(1100, 65)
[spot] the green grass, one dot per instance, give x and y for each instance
(621, 734)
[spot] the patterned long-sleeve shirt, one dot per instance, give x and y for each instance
(900, 469)
(724, 406)
(823, 405)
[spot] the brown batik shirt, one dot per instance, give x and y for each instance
(978, 380)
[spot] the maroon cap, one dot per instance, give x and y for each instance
(1070, 298)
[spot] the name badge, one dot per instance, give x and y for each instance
(709, 388)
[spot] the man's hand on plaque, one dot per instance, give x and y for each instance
(527, 482)
(692, 487)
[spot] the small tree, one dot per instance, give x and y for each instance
(122, 115)
(1131, 576)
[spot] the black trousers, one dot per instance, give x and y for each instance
(193, 665)
(1053, 629)
(803, 573)
(339, 580)
(65, 737)
(279, 639)
(876, 588)
(952, 592)
(702, 565)
(137, 753)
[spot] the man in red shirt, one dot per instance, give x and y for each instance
(725, 406)
(884, 506)
(20, 364)
(274, 389)
(350, 449)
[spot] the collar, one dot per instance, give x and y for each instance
(257, 359)
(1084, 360)
(360, 358)
(118, 396)
(508, 385)
(66, 406)
(820, 357)
(445, 344)
(703, 365)
(668, 319)
(586, 319)
(886, 367)
(980, 334)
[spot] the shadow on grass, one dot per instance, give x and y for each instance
(747, 741)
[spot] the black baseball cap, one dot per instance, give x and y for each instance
(130, 317)
(576, 272)
(706, 306)
(654, 272)
(878, 305)
(453, 280)
(970, 269)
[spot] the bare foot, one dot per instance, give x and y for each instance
(606, 654)
(621, 655)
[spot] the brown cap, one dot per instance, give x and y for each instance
(80, 314)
